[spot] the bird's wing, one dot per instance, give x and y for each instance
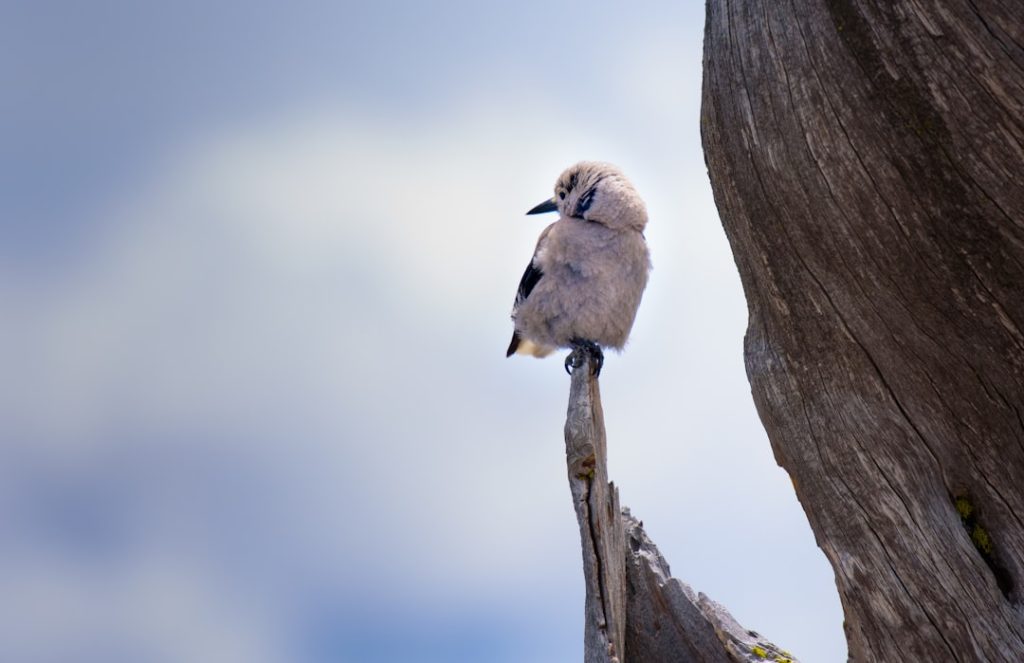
(531, 277)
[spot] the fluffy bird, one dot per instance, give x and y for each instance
(583, 285)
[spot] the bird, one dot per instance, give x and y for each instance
(584, 283)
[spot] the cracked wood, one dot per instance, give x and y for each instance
(866, 158)
(634, 609)
(596, 502)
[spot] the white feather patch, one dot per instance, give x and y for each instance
(533, 349)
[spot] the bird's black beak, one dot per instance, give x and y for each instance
(546, 206)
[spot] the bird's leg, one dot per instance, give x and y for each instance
(581, 347)
(596, 357)
(574, 359)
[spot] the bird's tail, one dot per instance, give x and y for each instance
(514, 345)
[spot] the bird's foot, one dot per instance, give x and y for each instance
(581, 350)
(573, 360)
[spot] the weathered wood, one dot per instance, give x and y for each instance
(866, 158)
(634, 610)
(597, 510)
(666, 621)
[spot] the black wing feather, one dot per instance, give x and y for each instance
(530, 278)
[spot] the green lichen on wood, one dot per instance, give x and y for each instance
(969, 517)
(759, 651)
(963, 507)
(981, 539)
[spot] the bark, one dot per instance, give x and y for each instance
(634, 610)
(866, 159)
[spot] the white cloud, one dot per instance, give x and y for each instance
(328, 295)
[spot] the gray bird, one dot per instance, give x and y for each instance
(582, 288)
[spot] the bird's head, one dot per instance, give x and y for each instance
(599, 193)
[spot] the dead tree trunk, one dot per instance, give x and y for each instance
(596, 502)
(867, 159)
(634, 610)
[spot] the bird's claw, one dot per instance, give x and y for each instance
(574, 360)
(581, 349)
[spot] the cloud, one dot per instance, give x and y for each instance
(261, 387)
(278, 380)
(152, 609)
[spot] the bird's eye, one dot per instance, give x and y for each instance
(561, 195)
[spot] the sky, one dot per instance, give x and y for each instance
(256, 268)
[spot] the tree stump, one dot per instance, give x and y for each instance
(596, 502)
(634, 609)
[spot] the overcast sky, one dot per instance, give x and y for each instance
(256, 270)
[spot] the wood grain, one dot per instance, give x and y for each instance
(866, 159)
(596, 502)
(634, 609)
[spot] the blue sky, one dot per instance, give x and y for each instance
(259, 262)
